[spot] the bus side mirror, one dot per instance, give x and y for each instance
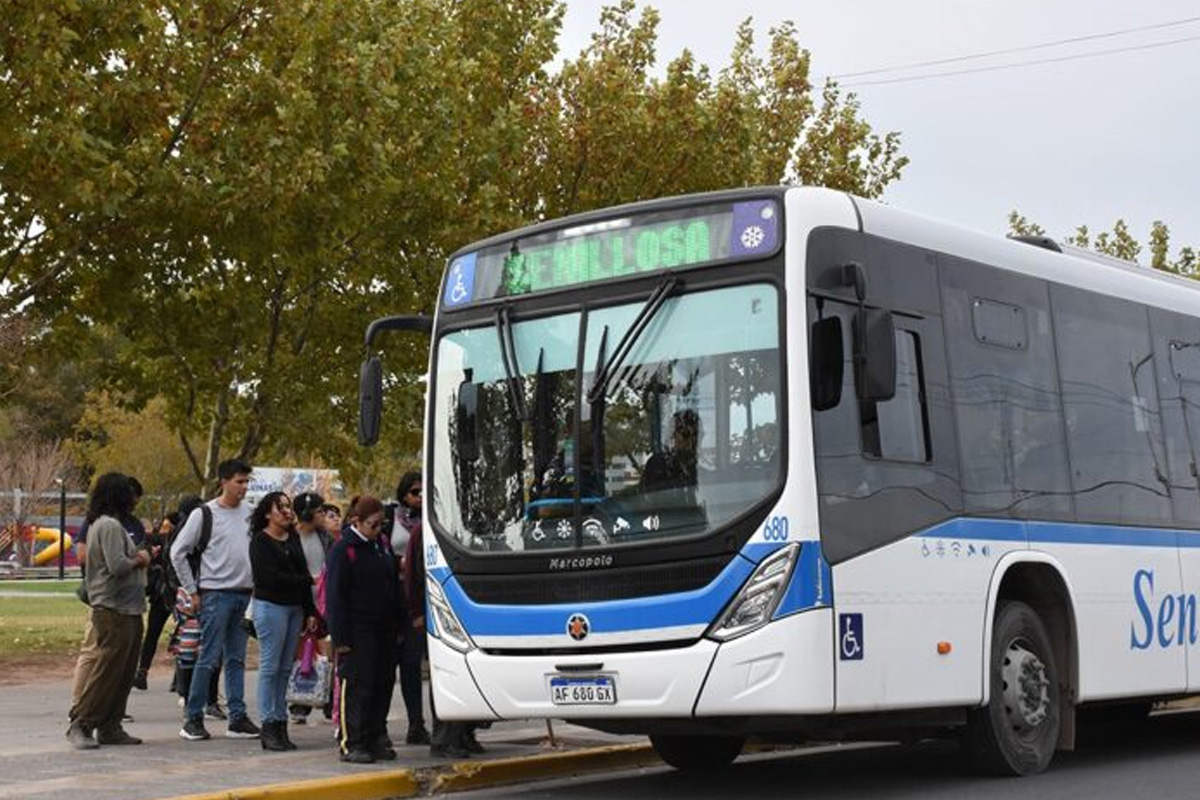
(467, 421)
(370, 400)
(827, 360)
(874, 355)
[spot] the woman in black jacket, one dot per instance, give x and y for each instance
(363, 603)
(283, 604)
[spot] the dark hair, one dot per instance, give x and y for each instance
(231, 467)
(112, 496)
(364, 506)
(187, 505)
(136, 486)
(175, 518)
(258, 517)
(331, 507)
(306, 505)
(406, 482)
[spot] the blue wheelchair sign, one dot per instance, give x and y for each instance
(850, 637)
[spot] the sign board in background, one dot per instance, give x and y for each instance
(294, 480)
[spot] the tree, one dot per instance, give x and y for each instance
(112, 438)
(238, 187)
(1120, 243)
(28, 467)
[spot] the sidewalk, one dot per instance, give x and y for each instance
(37, 763)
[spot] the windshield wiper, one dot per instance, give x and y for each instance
(512, 370)
(654, 302)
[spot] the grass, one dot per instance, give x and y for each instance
(40, 625)
(40, 586)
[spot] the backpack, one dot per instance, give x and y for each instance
(171, 584)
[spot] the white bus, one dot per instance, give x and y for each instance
(789, 463)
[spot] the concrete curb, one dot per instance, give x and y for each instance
(456, 777)
(392, 783)
(465, 775)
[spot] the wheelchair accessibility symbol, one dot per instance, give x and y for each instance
(850, 637)
(460, 283)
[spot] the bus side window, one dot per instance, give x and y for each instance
(898, 429)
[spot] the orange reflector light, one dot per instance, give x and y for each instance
(944, 648)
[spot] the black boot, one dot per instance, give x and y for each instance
(288, 744)
(139, 680)
(271, 739)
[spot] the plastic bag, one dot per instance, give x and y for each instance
(310, 686)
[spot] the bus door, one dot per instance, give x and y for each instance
(888, 488)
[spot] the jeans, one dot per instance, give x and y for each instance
(278, 629)
(222, 636)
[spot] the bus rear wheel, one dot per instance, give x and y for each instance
(1017, 731)
(697, 753)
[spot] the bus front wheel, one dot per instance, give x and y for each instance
(694, 753)
(1017, 731)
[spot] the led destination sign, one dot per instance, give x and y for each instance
(615, 248)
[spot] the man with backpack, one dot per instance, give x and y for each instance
(211, 556)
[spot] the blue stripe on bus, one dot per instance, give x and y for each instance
(1034, 533)
(811, 585)
(697, 607)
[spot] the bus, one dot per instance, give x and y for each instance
(788, 463)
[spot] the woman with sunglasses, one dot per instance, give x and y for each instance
(406, 523)
(283, 605)
(363, 604)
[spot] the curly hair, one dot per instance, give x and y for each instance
(258, 517)
(112, 496)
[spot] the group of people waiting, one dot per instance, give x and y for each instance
(216, 565)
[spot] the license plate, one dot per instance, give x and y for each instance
(578, 690)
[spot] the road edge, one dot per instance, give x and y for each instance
(454, 777)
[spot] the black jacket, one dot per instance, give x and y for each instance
(362, 593)
(281, 572)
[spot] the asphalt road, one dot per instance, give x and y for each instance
(1157, 760)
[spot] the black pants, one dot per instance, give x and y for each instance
(159, 614)
(412, 651)
(183, 682)
(367, 674)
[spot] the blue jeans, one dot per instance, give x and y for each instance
(278, 629)
(222, 635)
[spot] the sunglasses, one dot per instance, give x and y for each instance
(415, 492)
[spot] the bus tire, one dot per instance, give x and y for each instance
(698, 753)
(1017, 731)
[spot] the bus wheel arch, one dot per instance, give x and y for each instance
(1037, 582)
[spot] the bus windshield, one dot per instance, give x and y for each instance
(685, 438)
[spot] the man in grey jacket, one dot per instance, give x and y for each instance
(221, 592)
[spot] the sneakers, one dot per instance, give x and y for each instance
(194, 731)
(139, 680)
(358, 756)
(448, 751)
(417, 735)
(119, 736)
(214, 711)
(242, 728)
(81, 738)
(471, 744)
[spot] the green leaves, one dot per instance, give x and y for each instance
(229, 191)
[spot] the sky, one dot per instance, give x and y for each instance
(1085, 140)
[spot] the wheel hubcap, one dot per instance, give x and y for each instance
(1026, 687)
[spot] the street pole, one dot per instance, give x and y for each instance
(62, 528)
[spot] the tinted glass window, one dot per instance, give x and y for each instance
(1012, 446)
(1177, 362)
(1110, 402)
(897, 429)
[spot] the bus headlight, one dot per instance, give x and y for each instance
(753, 606)
(445, 622)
